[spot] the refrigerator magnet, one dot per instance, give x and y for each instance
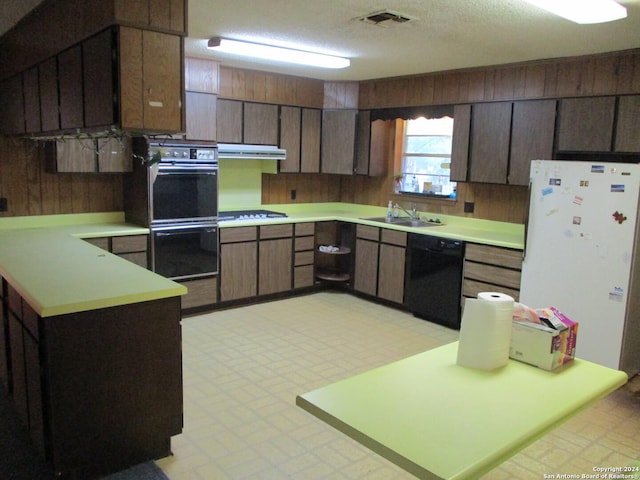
(547, 191)
(584, 183)
(597, 168)
(619, 217)
(617, 294)
(617, 188)
(577, 200)
(577, 220)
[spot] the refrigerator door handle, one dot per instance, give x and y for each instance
(526, 223)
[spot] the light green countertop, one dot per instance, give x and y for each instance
(439, 420)
(500, 234)
(58, 274)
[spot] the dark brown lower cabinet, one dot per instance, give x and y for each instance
(391, 267)
(202, 291)
(238, 263)
(274, 266)
(380, 262)
(275, 258)
(99, 390)
(366, 273)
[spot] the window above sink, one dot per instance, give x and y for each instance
(426, 157)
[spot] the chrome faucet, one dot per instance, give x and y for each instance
(413, 214)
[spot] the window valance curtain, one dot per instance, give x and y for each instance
(409, 113)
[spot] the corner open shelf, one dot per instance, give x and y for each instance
(334, 243)
(334, 271)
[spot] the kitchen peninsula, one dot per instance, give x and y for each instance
(471, 422)
(91, 344)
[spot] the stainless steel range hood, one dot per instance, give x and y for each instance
(248, 152)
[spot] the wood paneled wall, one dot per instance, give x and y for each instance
(606, 74)
(341, 94)
(309, 187)
(256, 86)
(30, 190)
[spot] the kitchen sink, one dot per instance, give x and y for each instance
(404, 221)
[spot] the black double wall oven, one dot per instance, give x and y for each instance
(183, 180)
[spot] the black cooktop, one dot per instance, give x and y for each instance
(249, 215)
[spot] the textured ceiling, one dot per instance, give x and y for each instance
(445, 35)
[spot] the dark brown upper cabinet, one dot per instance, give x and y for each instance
(489, 151)
(70, 88)
(495, 142)
(374, 145)
(532, 131)
(98, 71)
(628, 125)
(338, 141)
(460, 143)
(586, 124)
(229, 121)
(311, 132)
(31, 84)
(260, 123)
(290, 138)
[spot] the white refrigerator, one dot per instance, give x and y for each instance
(580, 255)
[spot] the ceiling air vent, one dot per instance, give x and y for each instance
(387, 17)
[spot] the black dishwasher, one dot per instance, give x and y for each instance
(433, 279)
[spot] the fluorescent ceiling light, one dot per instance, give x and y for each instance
(583, 11)
(279, 54)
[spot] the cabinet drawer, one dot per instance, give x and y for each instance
(308, 228)
(304, 258)
(304, 243)
(471, 289)
(129, 243)
(238, 234)
(139, 258)
(492, 274)
(202, 291)
(494, 255)
(101, 242)
(303, 276)
(276, 231)
(394, 237)
(368, 232)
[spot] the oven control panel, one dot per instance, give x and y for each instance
(182, 153)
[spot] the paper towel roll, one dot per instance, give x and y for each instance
(485, 331)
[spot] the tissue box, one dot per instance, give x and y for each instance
(545, 346)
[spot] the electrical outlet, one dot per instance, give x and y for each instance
(469, 207)
(294, 194)
(3, 204)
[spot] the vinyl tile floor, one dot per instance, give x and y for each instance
(243, 368)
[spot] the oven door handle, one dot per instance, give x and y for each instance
(173, 229)
(181, 170)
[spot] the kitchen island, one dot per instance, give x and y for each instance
(438, 420)
(91, 345)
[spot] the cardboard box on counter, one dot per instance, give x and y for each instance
(546, 345)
